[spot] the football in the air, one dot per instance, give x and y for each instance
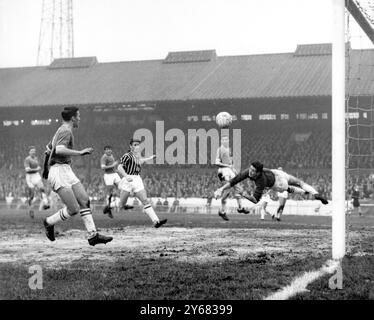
(224, 119)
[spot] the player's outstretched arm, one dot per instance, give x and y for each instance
(29, 170)
(27, 166)
(249, 197)
(142, 160)
(113, 165)
(219, 191)
(222, 165)
(238, 178)
(64, 151)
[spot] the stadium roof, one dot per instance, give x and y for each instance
(183, 76)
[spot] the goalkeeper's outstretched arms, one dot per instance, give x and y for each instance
(238, 178)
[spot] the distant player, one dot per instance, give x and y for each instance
(111, 178)
(64, 182)
(34, 181)
(282, 198)
(226, 172)
(274, 179)
(356, 200)
(131, 182)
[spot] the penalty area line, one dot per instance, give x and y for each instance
(299, 284)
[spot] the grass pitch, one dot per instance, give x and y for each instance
(194, 256)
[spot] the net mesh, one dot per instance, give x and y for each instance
(359, 111)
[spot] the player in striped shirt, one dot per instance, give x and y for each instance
(64, 182)
(226, 171)
(34, 181)
(131, 182)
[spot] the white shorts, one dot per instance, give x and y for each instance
(227, 173)
(265, 196)
(135, 185)
(61, 175)
(33, 179)
(283, 194)
(111, 179)
(281, 180)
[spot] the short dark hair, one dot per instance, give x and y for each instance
(134, 140)
(71, 108)
(258, 166)
(108, 147)
(69, 112)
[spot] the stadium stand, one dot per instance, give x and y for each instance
(294, 89)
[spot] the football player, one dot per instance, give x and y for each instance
(274, 179)
(226, 171)
(34, 181)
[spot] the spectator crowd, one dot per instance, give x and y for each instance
(302, 151)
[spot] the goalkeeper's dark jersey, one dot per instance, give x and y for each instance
(264, 180)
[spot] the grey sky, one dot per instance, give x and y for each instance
(120, 30)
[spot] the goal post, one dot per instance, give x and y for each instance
(344, 78)
(338, 129)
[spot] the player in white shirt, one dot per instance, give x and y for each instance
(226, 172)
(34, 181)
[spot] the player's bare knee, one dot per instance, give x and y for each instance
(145, 202)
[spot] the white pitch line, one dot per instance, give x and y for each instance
(299, 284)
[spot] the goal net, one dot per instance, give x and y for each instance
(359, 97)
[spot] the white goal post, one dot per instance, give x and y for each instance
(338, 129)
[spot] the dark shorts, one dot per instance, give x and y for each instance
(356, 203)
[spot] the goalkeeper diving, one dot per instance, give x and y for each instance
(274, 179)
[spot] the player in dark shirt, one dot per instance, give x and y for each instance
(111, 178)
(356, 200)
(64, 181)
(274, 179)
